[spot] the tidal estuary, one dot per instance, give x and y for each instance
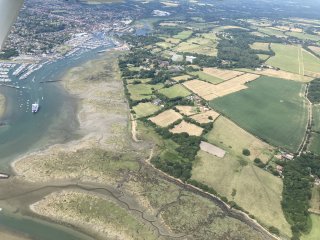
(23, 132)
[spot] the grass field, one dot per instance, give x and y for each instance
(206, 46)
(263, 56)
(145, 109)
(175, 91)
(286, 58)
(206, 77)
(272, 32)
(304, 36)
(183, 35)
(272, 109)
(233, 139)
(315, 143)
(315, 200)
(316, 117)
(181, 78)
(294, 59)
(260, 46)
(142, 91)
(252, 188)
(315, 231)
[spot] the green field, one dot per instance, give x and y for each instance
(272, 32)
(206, 77)
(272, 109)
(286, 57)
(315, 143)
(183, 35)
(252, 188)
(294, 59)
(142, 91)
(145, 109)
(315, 231)
(304, 36)
(175, 91)
(316, 118)
(263, 56)
(206, 46)
(260, 46)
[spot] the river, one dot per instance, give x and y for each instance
(24, 132)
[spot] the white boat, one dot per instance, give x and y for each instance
(35, 107)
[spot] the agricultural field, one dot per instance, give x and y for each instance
(260, 46)
(145, 109)
(142, 91)
(315, 200)
(315, 231)
(165, 45)
(210, 91)
(206, 77)
(315, 143)
(272, 109)
(206, 117)
(280, 74)
(183, 35)
(316, 118)
(233, 139)
(175, 91)
(304, 36)
(222, 73)
(181, 78)
(198, 45)
(252, 188)
(315, 49)
(263, 57)
(295, 59)
(185, 127)
(166, 118)
(187, 110)
(272, 32)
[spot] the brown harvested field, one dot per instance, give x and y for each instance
(185, 127)
(222, 74)
(212, 149)
(315, 49)
(209, 91)
(181, 78)
(187, 110)
(282, 74)
(204, 117)
(166, 118)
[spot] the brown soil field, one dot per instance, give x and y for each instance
(204, 117)
(191, 129)
(166, 118)
(222, 74)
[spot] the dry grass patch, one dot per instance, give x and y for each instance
(281, 74)
(166, 118)
(232, 138)
(206, 117)
(187, 110)
(222, 74)
(252, 188)
(209, 91)
(185, 127)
